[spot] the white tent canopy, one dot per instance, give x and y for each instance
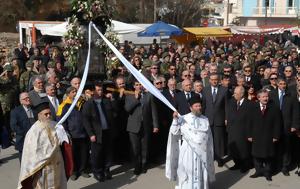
(118, 27)
(124, 31)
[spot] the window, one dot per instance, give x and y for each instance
(267, 3)
(291, 3)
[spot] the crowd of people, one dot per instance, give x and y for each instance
(250, 93)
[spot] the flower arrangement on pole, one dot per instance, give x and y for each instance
(84, 11)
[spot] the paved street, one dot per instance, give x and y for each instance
(154, 179)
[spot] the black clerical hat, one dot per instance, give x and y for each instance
(194, 100)
(42, 106)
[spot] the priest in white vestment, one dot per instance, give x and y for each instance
(42, 163)
(190, 150)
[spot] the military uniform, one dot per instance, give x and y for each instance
(25, 78)
(8, 95)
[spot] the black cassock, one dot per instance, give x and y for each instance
(264, 128)
(238, 121)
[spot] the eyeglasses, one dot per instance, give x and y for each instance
(273, 78)
(158, 83)
(247, 70)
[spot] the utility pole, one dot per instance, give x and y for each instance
(154, 10)
(228, 4)
(266, 12)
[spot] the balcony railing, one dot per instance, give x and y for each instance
(276, 11)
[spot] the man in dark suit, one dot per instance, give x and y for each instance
(170, 93)
(122, 144)
(182, 97)
(21, 120)
(290, 121)
(99, 122)
(238, 121)
(52, 99)
(142, 121)
(37, 94)
(251, 78)
(214, 101)
(263, 134)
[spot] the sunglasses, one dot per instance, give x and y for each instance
(247, 70)
(273, 78)
(158, 83)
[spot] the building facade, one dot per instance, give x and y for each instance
(261, 12)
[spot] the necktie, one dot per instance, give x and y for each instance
(29, 113)
(54, 103)
(214, 94)
(281, 98)
(172, 94)
(238, 105)
(103, 120)
(263, 109)
(188, 96)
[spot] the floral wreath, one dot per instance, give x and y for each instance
(84, 11)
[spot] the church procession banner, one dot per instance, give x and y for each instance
(139, 76)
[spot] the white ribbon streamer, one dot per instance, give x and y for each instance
(140, 77)
(62, 136)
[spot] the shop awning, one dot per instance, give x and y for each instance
(198, 33)
(201, 32)
(261, 30)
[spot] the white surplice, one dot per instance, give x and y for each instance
(42, 164)
(190, 159)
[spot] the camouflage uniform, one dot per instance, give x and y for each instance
(25, 78)
(8, 96)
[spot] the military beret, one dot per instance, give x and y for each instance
(220, 51)
(8, 67)
(182, 55)
(278, 56)
(251, 51)
(29, 63)
(264, 50)
(51, 64)
(147, 63)
(235, 53)
(165, 54)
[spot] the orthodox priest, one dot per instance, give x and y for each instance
(190, 149)
(42, 163)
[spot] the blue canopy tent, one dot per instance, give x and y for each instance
(160, 28)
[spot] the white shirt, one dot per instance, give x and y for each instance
(248, 78)
(212, 89)
(241, 101)
(279, 93)
(188, 93)
(28, 111)
(262, 106)
(54, 102)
